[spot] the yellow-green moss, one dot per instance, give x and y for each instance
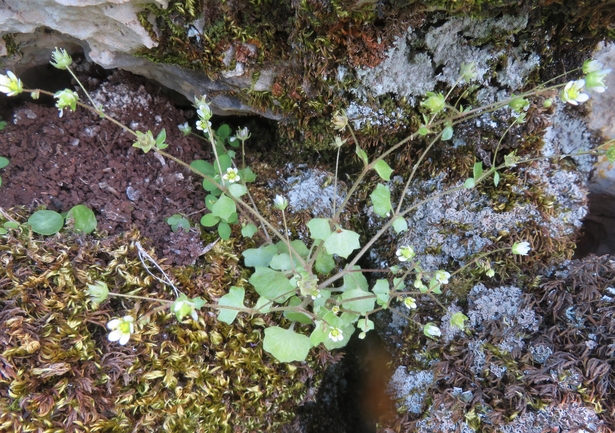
(60, 373)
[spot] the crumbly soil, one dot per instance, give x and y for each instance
(78, 158)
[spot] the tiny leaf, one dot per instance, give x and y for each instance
(361, 154)
(209, 220)
(400, 225)
(469, 183)
(234, 298)
(447, 133)
(381, 199)
(458, 320)
(46, 222)
(249, 230)
(84, 218)
(320, 228)
(496, 178)
(271, 284)
(224, 208)
(286, 345)
(383, 169)
(342, 242)
(224, 230)
(478, 170)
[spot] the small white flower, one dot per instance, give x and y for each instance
(242, 134)
(521, 248)
(339, 120)
(66, 99)
(336, 334)
(594, 81)
(185, 128)
(61, 59)
(98, 292)
(10, 84)
(338, 142)
(410, 302)
(591, 66)
(203, 125)
(468, 71)
(316, 294)
(183, 306)
(431, 330)
(204, 112)
(442, 276)
(405, 253)
(572, 92)
(280, 202)
(335, 310)
(232, 175)
(121, 329)
(490, 273)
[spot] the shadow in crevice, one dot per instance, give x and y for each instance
(598, 232)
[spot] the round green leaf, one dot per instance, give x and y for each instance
(224, 230)
(209, 220)
(84, 219)
(3, 162)
(400, 225)
(249, 230)
(234, 298)
(224, 208)
(342, 242)
(320, 228)
(46, 222)
(381, 199)
(286, 345)
(383, 169)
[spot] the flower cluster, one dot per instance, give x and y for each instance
(574, 91)
(204, 112)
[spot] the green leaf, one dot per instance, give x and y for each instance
(355, 280)
(247, 175)
(262, 305)
(320, 228)
(46, 222)
(84, 219)
(224, 208)
(261, 256)
(237, 190)
(234, 298)
(478, 170)
(224, 230)
(469, 183)
(209, 220)
(160, 138)
(342, 242)
(458, 320)
(271, 284)
(496, 178)
(383, 169)
(447, 133)
(281, 262)
(223, 131)
(400, 225)
(381, 199)
(203, 167)
(296, 316)
(365, 324)
(3, 162)
(225, 162)
(361, 154)
(248, 230)
(324, 263)
(286, 345)
(211, 187)
(297, 245)
(176, 221)
(610, 154)
(381, 289)
(351, 301)
(210, 201)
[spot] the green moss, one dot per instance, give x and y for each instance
(59, 370)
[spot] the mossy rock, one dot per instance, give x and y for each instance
(59, 372)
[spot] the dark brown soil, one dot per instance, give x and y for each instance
(60, 162)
